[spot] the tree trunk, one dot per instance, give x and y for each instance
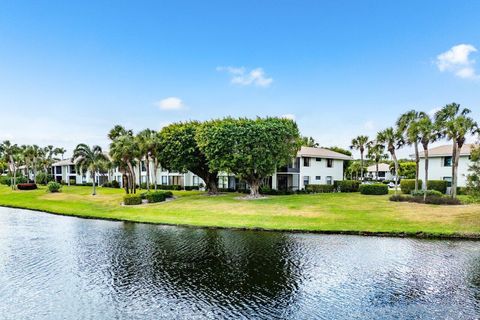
(93, 178)
(361, 165)
(254, 188)
(453, 190)
(155, 165)
(417, 163)
(376, 168)
(425, 189)
(148, 173)
(211, 183)
(394, 157)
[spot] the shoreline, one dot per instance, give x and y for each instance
(391, 234)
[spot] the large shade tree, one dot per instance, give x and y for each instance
(360, 143)
(455, 125)
(406, 124)
(179, 151)
(88, 159)
(250, 148)
(392, 139)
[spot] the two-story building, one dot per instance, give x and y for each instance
(440, 163)
(384, 172)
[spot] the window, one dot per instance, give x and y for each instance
(318, 159)
(72, 169)
(318, 178)
(58, 170)
(144, 168)
(329, 179)
(164, 180)
(449, 181)
(223, 182)
(381, 174)
(329, 163)
(447, 161)
(306, 162)
(196, 181)
(306, 180)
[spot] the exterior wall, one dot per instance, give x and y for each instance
(437, 171)
(320, 169)
(388, 175)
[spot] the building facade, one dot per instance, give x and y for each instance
(384, 172)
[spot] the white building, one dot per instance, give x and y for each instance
(311, 166)
(384, 172)
(440, 164)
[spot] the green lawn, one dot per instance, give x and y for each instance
(335, 212)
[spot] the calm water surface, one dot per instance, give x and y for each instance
(54, 267)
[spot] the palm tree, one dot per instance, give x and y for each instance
(124, 152)
(309, 142)
(427, 132)
(60, 151)
(406, 125)
(11, 154)
(91, 159)
(455, 125)
(359, 143)
(393, 140)
(147, 144)
(375, 152)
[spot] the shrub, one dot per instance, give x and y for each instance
(26, 186)
(373, 189)
(227, 190)
(168, 194)
(190, 188)
(346, 185)
(438, 200)
(54, 186)
(157, 196)
(319, 188)
(169, 187)
(132, 199)
(7, 180)
(462, 191)
(408, 185)
(439, 185)
(399, 198)
(115, 184)
(430, 193)
(43, 178)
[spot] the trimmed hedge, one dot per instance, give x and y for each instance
(113, 184)
(373, 189)
(53, 186)
(408, 185)
(169, 187)
(346, 185)
(429, 200)
(26, 186)
(190, 188)
(439, 185)
(319, 188)
(132, 199)
(153, 197)
(430, 193)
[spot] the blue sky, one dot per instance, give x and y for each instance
(69, 71)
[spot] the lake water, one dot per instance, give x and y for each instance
(55, 267)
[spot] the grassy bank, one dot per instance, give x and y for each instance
(336, 212)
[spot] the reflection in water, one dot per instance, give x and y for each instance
(69, 268)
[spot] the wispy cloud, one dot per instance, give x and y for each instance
(458, 61)
(170, 103)
(244, 77)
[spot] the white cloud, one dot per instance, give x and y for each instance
(288, 116)
(170, 103)
(457, 60)
(242, 76)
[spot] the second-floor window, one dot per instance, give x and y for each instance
(329, 163)
(58, 170)
(447, 161)
(306, 162)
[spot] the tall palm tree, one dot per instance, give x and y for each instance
(146, 144)
(359, 143)
(455, 125)
(124, 152)
(393, 140)
(428, 133)
(11, 154)
(376, 152)
(406, 125)
(90, 159)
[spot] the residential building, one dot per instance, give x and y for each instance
(440, 164)
(384, 172)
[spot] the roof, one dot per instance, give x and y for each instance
(446, 150)
(381, 167)
(322, 153)
(65, 162)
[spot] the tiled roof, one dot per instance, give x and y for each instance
(446, 150)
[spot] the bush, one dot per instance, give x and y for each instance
(54, 186)
(7, 180)
(157, 196)
(43, 178)
(439, 185)
(320, 188)
(438, 200)
(169, 187)
(408, 185)
(346, 185)
(190, 188)
(373, 189)
(399, 198)
(462, 191)
(26, 186)
(132, 199)
(430, 193)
